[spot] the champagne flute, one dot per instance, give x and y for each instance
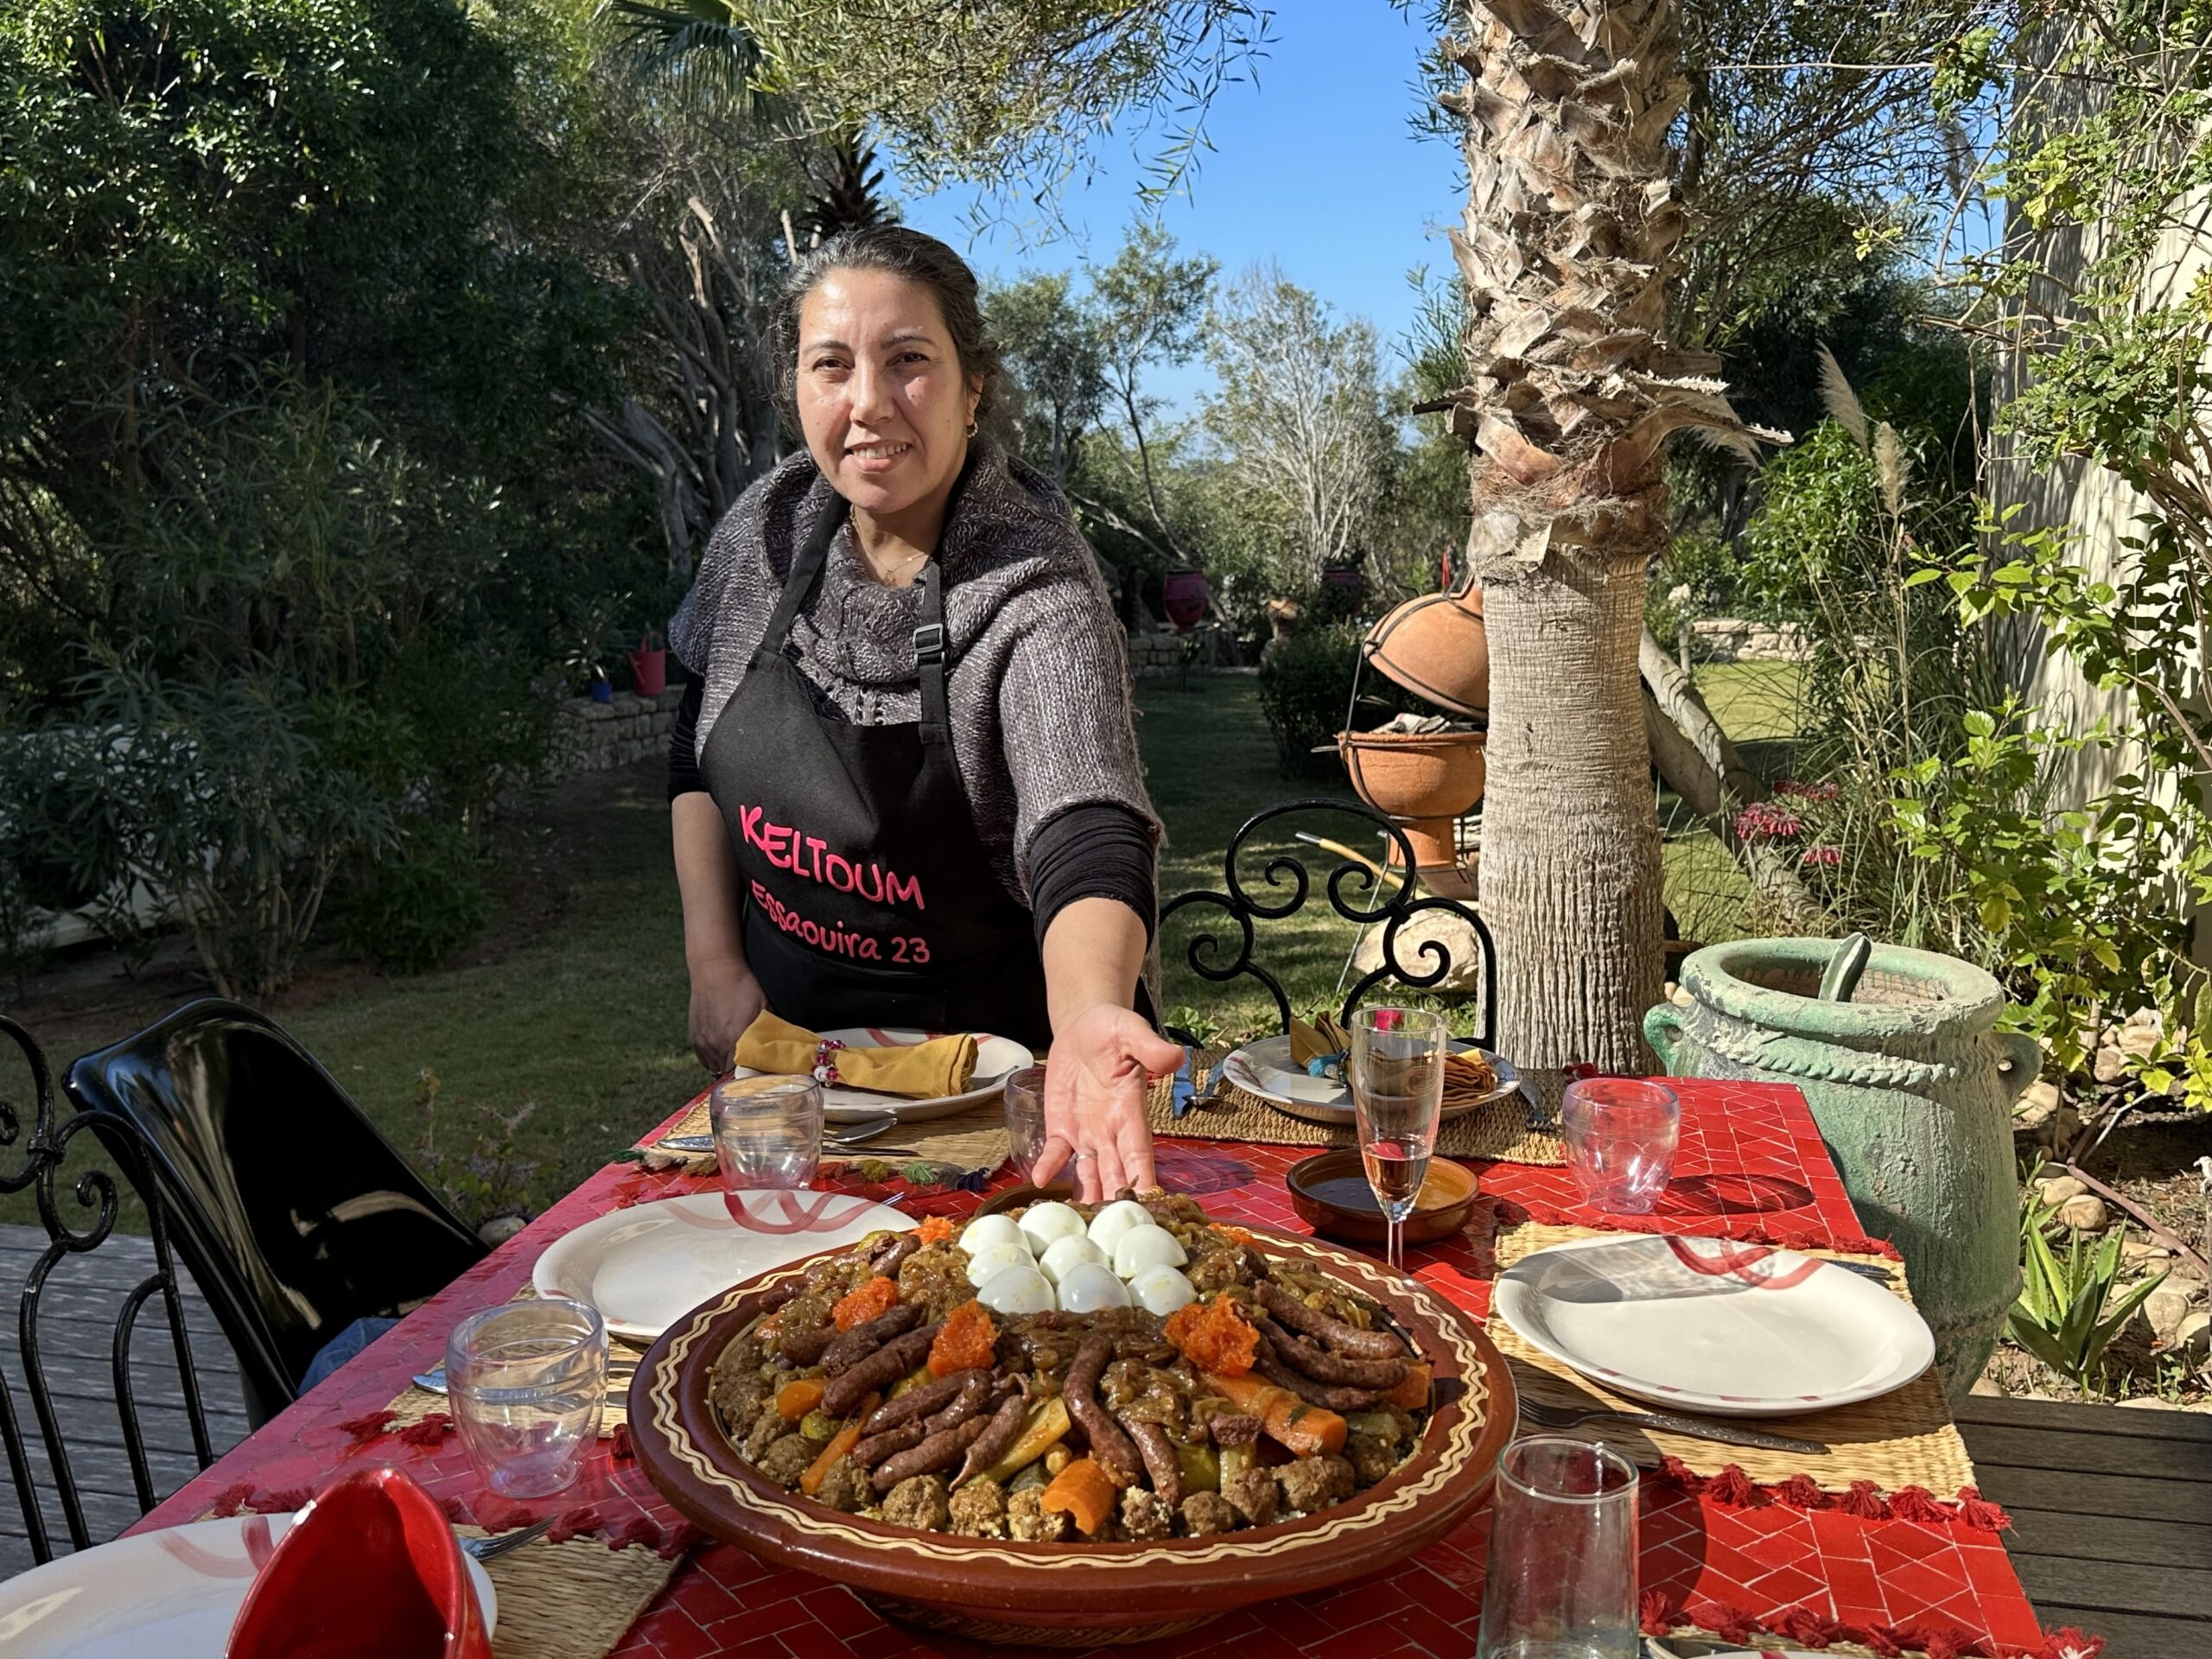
(1397, 1091)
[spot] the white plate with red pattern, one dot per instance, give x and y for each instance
(647, 1266)
(172, 1594)
(1712, 1325)
(997, 1059)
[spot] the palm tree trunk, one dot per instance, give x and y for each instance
(1567, 250)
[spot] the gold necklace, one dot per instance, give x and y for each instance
(883, 578)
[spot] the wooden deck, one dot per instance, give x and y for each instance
(2112, 1516)
(76, 1333)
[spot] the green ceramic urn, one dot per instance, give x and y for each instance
(1913, 1092)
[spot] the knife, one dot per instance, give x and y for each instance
(1696, 1428)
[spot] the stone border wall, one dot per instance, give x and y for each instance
(591, 736)
(1732, 640)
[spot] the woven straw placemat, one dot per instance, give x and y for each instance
(572, 1600)
(1503, 1130)
(1899, 1440)
(974, 1138)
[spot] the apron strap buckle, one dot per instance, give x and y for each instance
(929, 645)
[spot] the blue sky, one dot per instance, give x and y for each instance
(1313, 165)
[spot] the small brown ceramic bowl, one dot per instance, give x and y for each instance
(1020, 1197)
(1329, 1190)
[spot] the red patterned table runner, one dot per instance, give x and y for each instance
(1752, 1166)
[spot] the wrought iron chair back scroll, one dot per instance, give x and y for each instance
(1357, 892)
(44, 1154)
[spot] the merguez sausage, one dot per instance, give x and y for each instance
(916, 1403)
(1312, 1393)
(1160, 1461)
(879, 1370)
(1335, 1333)
(1336, 1368)
(997, 1439)
(889, 1258)
(975, 1394)
(1107, 1443)
(904, 1437)
(857, 1343)
(931, 1455)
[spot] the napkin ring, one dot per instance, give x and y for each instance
(825, 1068)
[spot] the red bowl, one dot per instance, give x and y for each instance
(1081, 1595)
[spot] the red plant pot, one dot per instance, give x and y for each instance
(649, 672)
(1184, 594)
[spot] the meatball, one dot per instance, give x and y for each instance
(1144, 1518)
(1207, 1512)
(1371, 1459)
(768, 1427)
(740, 1389)
(1342, 1481)
(1031, 1522)
(787, 1459)
(979, 1510)
(1251, 1493)
(846, 1487)
(1233, 1429)
(1306, 1484)
(919, 1502)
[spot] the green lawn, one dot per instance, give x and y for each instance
(584, 1020)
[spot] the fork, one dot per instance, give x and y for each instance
(485, 1549)
(1696, 1427)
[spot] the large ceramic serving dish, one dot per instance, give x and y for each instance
(997, 1059)
(1263, 1070)
(1081, 1595)
(1735, 1329)
(644, 1266)
(172, 1594)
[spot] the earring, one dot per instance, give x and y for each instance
(971, 429)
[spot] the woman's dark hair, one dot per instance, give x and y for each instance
(901, 252)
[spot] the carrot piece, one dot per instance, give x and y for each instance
(840, 1443)
(1214, 1336)
(1085, 1490)
(1307, 1430)
(795, 1399)
(1412, 1394)
(878, 1295)
(968, 1341)
(936, 1230)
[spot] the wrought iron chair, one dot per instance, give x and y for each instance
(94, 1193)
(1372, 894)
(294, 1215)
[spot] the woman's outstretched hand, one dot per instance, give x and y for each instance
(1094, 1081)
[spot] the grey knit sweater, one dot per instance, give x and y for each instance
(1038, 684)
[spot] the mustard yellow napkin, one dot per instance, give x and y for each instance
(1323, 1036)
(944, 1065)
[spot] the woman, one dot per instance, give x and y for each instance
(904, 785)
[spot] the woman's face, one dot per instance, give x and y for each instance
(880, 395)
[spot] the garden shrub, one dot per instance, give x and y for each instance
(1306, 684)
(415, 908)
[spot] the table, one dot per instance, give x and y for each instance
(1752, 1166)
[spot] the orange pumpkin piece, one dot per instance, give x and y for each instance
(840, 1443)
(1411, 1394)
(967, 1342)
(936, 1230)
(1085, 1490)
(1214, 1336)
(878, 1295)
(795, 1399)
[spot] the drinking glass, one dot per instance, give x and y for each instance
(1620, 1134)
(1561, 1579)
(1025, 1117)
(1397, 1090)
(768, 1131)
(525, 1383)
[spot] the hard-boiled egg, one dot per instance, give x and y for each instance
(981, 1264)
(1016, 1290)
(986, 1230)
(1162, 1290)
(1087, 1287)
(1044, 1223)
(1147, 1246)
(1065, 1253)
(1116, 1218)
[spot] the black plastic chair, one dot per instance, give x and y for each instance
(1355, 892)
(295, 1216)
(89, 1507)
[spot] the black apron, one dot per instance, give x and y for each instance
(869, 899)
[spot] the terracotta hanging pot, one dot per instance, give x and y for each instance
(1436, 646)
(1424, 780)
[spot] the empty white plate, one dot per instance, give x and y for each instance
(1735, 1330)
(645, 1267)
(1263, 1069)
(172, 1594)
(996, 1058)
